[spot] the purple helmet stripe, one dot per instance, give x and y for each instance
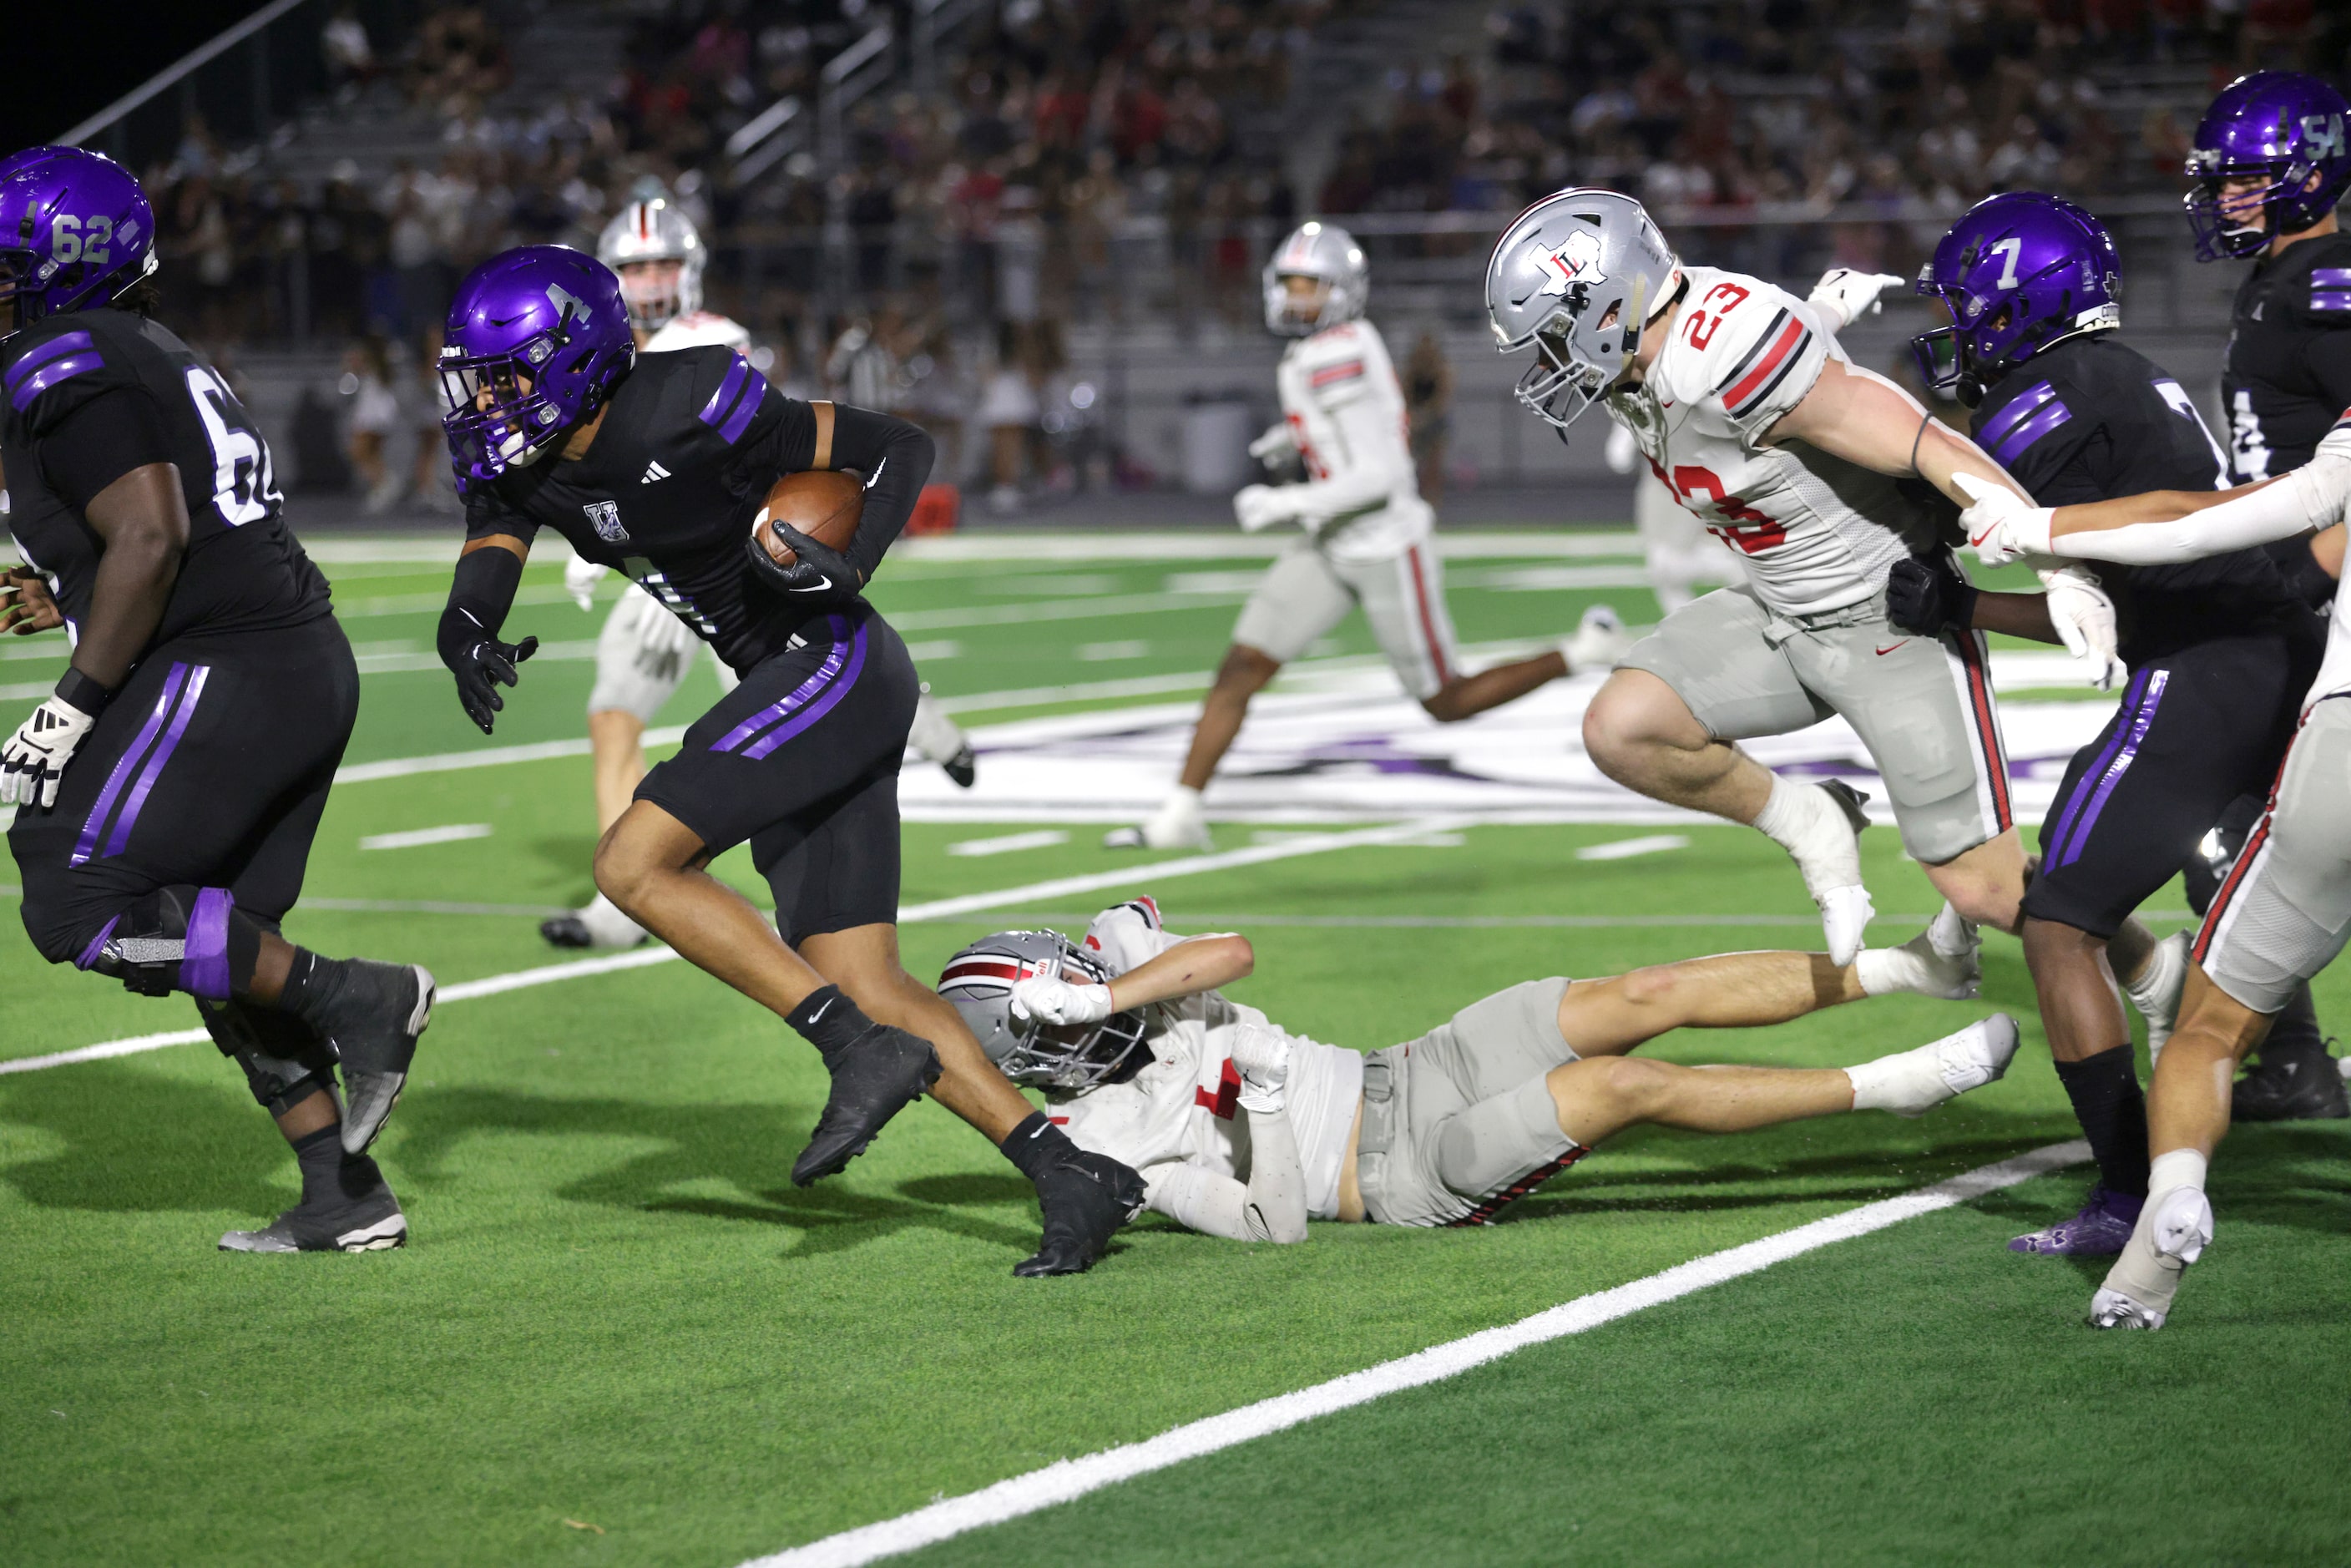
(2132, 736)
(1996, 429)
(128, 765)
(49, 375)
(137, 799)
(2018, 440)
(66, 343)
(824, 703)
(204, 965)
(740, 421)
(714, 411)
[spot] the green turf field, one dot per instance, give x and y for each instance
(619, 1336)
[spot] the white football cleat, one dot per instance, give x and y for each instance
(1600, 642)
(1826, 848)
(1913, 1083)
(1178, 824)
(2171, 1234)
(2156, 994)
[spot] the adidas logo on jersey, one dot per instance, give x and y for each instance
(654, 471)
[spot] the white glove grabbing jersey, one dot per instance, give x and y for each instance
(1816, 532)
(1345, 411)
(1844, 296)
(35, 758)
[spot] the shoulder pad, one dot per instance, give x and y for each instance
(58, 366)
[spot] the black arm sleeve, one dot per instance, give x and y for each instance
(100, 441)
(480, 594)
(894, 458)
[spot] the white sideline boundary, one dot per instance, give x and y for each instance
(937, 909)
(1072, 1479)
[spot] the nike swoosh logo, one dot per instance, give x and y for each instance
(818, 586)
(1890, 647)
(817, 1015)
(1980, 539)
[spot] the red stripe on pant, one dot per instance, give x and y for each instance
(1484, 1213)
(1987, 726)
(2221, 900)
(1428, 620)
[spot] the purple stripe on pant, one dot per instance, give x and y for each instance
(128, 765)
(815, 710)
(803, 692)
(163, 754)
(203, 966)
(97, 945)
(2053, 844)
(2130, 735)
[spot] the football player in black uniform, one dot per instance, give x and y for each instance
(2219, 651)
(660, 466)
(167, 792)
(2268, 166)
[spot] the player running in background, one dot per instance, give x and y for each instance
(2269, 163)
(2219, 651)
(1245, 1130)
(553, 421)
(1741, 400)
(1366, 533)
(167, 794)
(2285, 912)
(645, 653)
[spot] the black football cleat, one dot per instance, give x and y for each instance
(963, 767)
(369, 1223)
(1086, 1198)
(566, 930)
(372, 1022)
(880, 1073)
(2302, 1086)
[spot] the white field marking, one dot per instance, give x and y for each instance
(428, 906)
(1106, 607)
(1625, 849)
(1223, 922)
(1073, 1478)
(1102, 653)
(945, 648)
(26, 691)
(996, 544)
(1426, 841)
(415, 838)
(37, 645)
(1010, 843)
(937, 909)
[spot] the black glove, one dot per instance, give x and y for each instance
(1924, 597)
(480, 663)
(818, 579)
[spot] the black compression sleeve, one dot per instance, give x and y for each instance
(113, 433)
(894, 458)
(480, 594)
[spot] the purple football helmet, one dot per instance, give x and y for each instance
(539, 336)
(2019, 272)
(2283, 129)
(75, 232)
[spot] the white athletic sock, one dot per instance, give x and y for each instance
(2177, 1168)
(1182, 799)
(608, 926)
(2138, 1289)
(1791, 817)
(1908, 1082)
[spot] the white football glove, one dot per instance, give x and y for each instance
(663, 639)
(581, 577)
(1262, 1055)
(2001, 527)
(1053, 1001)
(1846, 294)
(1259, 507)
(1274, 446)
(2084, 617)
(35, 758)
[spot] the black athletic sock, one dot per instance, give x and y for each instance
(830, 1021)
(1036, 1145)
(2295, 1035)
(312, 984)
(2112, 1110)
(331, 1178)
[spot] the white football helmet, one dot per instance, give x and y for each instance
(655, 230)
(1065, 1057)
(1319, 250)
(1578, 275)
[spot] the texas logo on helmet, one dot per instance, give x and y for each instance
(1575, 259)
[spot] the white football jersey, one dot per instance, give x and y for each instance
(697, 328)
(1345, 409)
(1184, 1107)
(1815, 532)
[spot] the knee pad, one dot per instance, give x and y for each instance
(1497, 1145)
(284, 1062)
(176, 938)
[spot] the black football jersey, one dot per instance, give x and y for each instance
(2090, 420)
(59, 433)
(2287, 378)
(689, 445)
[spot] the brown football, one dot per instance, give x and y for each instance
(824, 504)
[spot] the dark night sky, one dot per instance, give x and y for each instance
(63, 59)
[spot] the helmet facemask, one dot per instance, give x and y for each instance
(1066, 1059)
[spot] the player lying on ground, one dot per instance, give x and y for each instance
(167, 794)
(1365, 532)
(1740, 396)
(2285, 911)
(645, 653)
(554, 422)
(2219, 651)
(1245, 1130)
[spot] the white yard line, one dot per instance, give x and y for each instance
(937, 909)
(1625, 849)
(417, 838)
(1073, 1478)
